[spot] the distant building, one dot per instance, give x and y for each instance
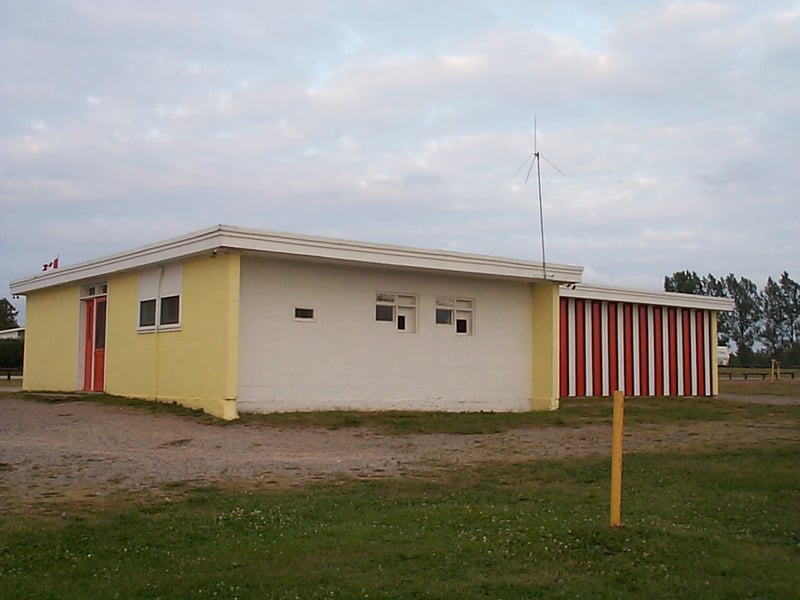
(237, 320)
(16, 333)
(723, 356)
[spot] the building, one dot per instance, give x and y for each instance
(15, 333)
(236, 320)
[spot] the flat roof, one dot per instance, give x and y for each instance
(613, 294)
(256, 242)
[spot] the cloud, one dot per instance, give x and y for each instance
(675, 123)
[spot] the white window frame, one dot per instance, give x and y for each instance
(459, 309)
(157, 285)
(94, 290)
(404, 308)
(310, 319)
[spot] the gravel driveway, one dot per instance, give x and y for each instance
(78, 450)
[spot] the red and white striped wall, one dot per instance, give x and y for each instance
(612, 340)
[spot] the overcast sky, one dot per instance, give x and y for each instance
(676, 124)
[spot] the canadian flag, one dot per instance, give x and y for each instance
(53, 264)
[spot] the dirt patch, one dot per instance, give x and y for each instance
(84, 449)
(762, 399)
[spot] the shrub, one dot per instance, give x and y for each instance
(11, 353)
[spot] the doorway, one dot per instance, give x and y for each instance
(94, 363)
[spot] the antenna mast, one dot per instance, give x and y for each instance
(539, 184)
(535, 159)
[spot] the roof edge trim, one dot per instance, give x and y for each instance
(299, 246)
(614, 294)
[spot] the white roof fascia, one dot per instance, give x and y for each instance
(612, 294)
(401, 257)
(168, 250)
(300, 247)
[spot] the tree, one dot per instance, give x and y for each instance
(11, 354)
(717, 288)
(764, 324)
(791, 295)
(781, 330)
(689, 282)
(746, 316)
(8, 315)
(684, 282)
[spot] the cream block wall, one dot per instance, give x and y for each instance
(195, 365)
(52, 339)
(345, 359)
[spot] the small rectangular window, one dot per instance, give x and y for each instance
(170, 310)
(407, 319)
(100, 325)
(147, 313)
(92, 290)
(444, 316)
(305, 314)
(384, 312)
(464, 322)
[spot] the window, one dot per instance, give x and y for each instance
(444, 311)
(384, 313)
(304, 314)
(400, 309)
(92, 290)
(147, 313)
(170, 310)
(160, 298)
(457, 312)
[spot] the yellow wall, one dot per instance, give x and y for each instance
(51, 339)
(195, 365)
(546, 339)
(714, 361)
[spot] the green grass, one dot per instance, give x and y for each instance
(722, 525)
(754, 387)
(707, 525)
(574, 412)
(110, 400)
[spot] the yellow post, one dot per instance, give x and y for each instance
(616, 459)
(774, 367)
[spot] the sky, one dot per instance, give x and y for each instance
(674, 129)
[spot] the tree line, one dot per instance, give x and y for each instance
(11, 351)
(764, 324)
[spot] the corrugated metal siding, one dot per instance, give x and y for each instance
(641, 349)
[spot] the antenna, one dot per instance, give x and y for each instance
(535, 159)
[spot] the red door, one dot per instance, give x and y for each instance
(94, 364)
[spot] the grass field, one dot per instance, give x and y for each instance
(723, 524)
(698, 526)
